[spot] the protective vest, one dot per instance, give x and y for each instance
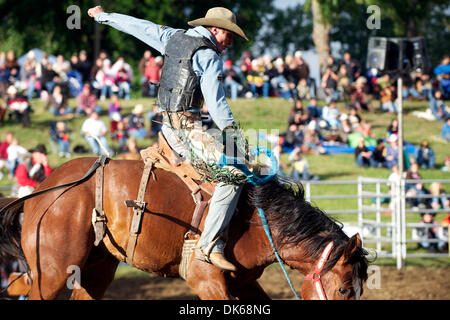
(179, 87)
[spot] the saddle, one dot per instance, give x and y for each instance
(163, 157)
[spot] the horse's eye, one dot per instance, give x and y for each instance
(343, 291)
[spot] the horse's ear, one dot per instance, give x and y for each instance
(353, 244)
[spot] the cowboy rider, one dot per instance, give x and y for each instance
(201, 80)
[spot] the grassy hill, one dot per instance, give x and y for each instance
(267, 114)
(256, 114)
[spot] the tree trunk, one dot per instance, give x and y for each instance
(321, 35)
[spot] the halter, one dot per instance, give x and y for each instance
(315, 275)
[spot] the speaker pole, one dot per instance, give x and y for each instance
(400, 123)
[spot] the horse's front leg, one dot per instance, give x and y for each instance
(208, 281)
(249, 291)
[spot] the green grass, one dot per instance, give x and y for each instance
(270, 114)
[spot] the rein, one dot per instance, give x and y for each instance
(257, 181)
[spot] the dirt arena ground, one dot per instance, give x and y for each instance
(411, 283)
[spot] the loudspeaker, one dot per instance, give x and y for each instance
(376, 53)
(420, 58)
(404, 47)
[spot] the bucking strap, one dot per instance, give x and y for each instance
(138, 210)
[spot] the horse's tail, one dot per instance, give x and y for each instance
(10, 229)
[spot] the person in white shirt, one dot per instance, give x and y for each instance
(94, 130)
(15, 155)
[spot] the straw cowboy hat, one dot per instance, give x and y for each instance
(221, 18)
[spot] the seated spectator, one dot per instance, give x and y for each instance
(379, 154)
(446, 166)
(63, 139)
(257, 81)
(29, 76)
(141, 67)
(360, 101)
(114, 107)
(430, 232)
(279, 82)
(59, 104)
(392, 128)
(344, 82)
(354, 118)
(311, 142)
(392, 151)
(331, 115)
(445, 132)
(84, 66)
(387, 96)
(303, 89)
(49, 76)
(61, 67)
(15, 156)
(363, 156)
(131, 151)
(439, 199)
(155, 119)
(136, 123)
(153, 74)
(437, 106)
(298, 112)
(94, 128)
(300, 165)
(232, 81)
(105, 78)
(19, 106)
(314, 110)
(345, 129)
(4, 78)
(414, 189)
(424, 155)
(294, 134)
(329, 85)
(442, 73)
(365, 128)
(33, 170)
(123, 78)
(4, 151)
(87, 101)
(120, 135)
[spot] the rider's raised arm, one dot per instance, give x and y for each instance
(156, 36)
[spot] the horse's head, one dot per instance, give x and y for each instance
(312, 242)
(343, 280)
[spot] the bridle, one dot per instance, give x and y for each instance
(315, 275)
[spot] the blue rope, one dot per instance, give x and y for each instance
(258, 181)
(262, 215)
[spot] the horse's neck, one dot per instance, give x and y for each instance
(253, 248)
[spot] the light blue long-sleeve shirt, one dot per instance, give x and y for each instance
(206, 63)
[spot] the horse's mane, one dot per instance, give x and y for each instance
(298, 222)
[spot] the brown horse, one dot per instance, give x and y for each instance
(57, 234)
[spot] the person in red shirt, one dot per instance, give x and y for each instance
(4, 146)
(33, 170)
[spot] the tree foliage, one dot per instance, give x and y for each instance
(286, 30)
(29, 23)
